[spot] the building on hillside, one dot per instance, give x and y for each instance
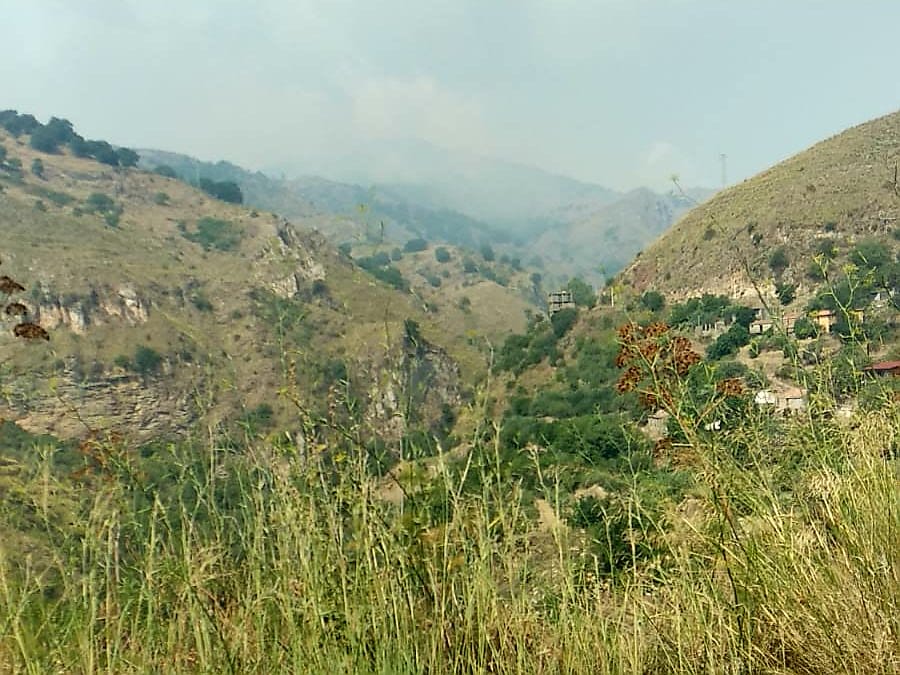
(765, 323)
(791, 399)
(825, 319)
(559, 300)
(884, 369)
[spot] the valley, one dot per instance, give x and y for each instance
(345, 421)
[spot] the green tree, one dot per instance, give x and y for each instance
(441, 254)
(37, 167)
(785, 292)
(805, 328)
(414, 245)
(653, 300)
(147, 360)
(127, 157)
(487, 252)
(779, 260)
(582, 292)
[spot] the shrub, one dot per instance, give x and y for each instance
(441, 254)
(785, 292)
(213, 233)
(729, 342)
(778, 260)
(582, 292)
(805, 328)
(226, 191)
(37, 167)
(146, 360)
(414, 245)
(653, 301)
(161, 199)
(165, 170)
(563, 321)
(487, 252)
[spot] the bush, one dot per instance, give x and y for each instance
(563, 321)
(487, 252)
(469, 266)
(414, 245)
(779, 261)
(165, 170)
(653, 300)
(37, 167)
(729, 342)
(805, 328)
(441, 254)
(870, 254)
(226, 191)
(582, 292)
(785, 292)
(147, 360)
(213, 233)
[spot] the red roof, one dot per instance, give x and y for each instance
(884, 365)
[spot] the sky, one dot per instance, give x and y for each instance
(618, 92)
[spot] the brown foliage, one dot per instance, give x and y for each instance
(653, 360)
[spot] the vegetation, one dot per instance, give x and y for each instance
(214, 233)
(226, 190)
(784, 562)
(582, 292)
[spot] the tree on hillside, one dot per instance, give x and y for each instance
(653, 300)
(441, 254)
(226, 190)
(37, 167)
(582, 292)
(779, 260)
(127, 157)
(487, 252)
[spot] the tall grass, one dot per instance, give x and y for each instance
(785, 559)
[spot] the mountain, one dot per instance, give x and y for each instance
(597, 243)
(363, 214)
(824, 200)
(514, 197)
(167, 308)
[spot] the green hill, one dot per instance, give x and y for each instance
(836, 194)
(167, 307)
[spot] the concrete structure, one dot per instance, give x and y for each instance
(559, 300)
(792, 399)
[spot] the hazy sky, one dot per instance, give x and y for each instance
(620, 92)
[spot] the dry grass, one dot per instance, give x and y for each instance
(308, 571)
(841, 188)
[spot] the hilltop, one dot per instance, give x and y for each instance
(832, 196)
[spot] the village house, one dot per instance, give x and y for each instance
(791, 399)
(825, 319)
(558, 301)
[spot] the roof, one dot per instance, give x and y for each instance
(884, 365)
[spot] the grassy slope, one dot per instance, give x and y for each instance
(358, 319)
(842, 187)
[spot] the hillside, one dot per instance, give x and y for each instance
(840, 191)
(598, 242)
(167, 307)
(346, 212)
(512, 196)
